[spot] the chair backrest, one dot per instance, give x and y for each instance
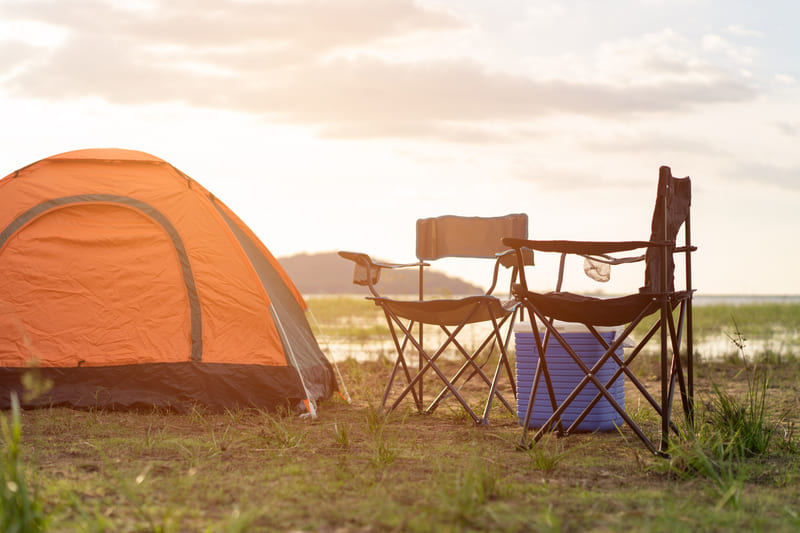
(456, 236)
(673, 202)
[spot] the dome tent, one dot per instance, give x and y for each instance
(128, 284)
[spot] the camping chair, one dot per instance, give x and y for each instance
(658, 296)
(450, 236)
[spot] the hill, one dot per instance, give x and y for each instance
(327, 273)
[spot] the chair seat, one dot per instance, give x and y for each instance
(466, 310)
(570, 307)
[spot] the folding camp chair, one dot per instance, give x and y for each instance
(450, 236)
(657, 296)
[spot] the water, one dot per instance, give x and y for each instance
(780, 343)
(722, 346)
(373, 349)
(734, 299)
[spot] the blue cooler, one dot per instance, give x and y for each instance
(565, 375)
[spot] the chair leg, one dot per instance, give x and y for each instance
(505, 364)
(690, 359)
(677, 338)
(625, 367)
(526, 422)
(665, 407)
(502, 346)
(541, 370)
(400, 361)
(431, 364)
(470, 362)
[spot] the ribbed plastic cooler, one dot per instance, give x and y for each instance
(565, 375)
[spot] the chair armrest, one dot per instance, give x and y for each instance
(367, 272)
(366, 260)
(583, 247)
(510, 259)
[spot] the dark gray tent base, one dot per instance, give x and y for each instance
(175, 386)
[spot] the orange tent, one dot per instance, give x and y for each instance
(126, 283)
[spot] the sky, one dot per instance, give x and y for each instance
(334, 125)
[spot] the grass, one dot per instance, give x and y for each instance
(348, 318)
(329, 309)
(548, 453)
(355, 469)
(20, 505)
(756, 320)
(734, 427)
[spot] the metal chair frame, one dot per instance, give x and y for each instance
(451, 316)
(658, 296)
(470, 360)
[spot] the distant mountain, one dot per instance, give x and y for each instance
(328, 273)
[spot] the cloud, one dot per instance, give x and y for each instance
(652, 143)
(440, 131)
(790, 129)
(10, 54)
(782, 177)
(462, 90)
(204, 24)
(560, 178)
(741, 31)
(308, 62)
(738, 54)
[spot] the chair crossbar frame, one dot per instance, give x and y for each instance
(429, 363)
(396, 323)
(589, 376)
(477, 369)
(658, 303)
(400, 361)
